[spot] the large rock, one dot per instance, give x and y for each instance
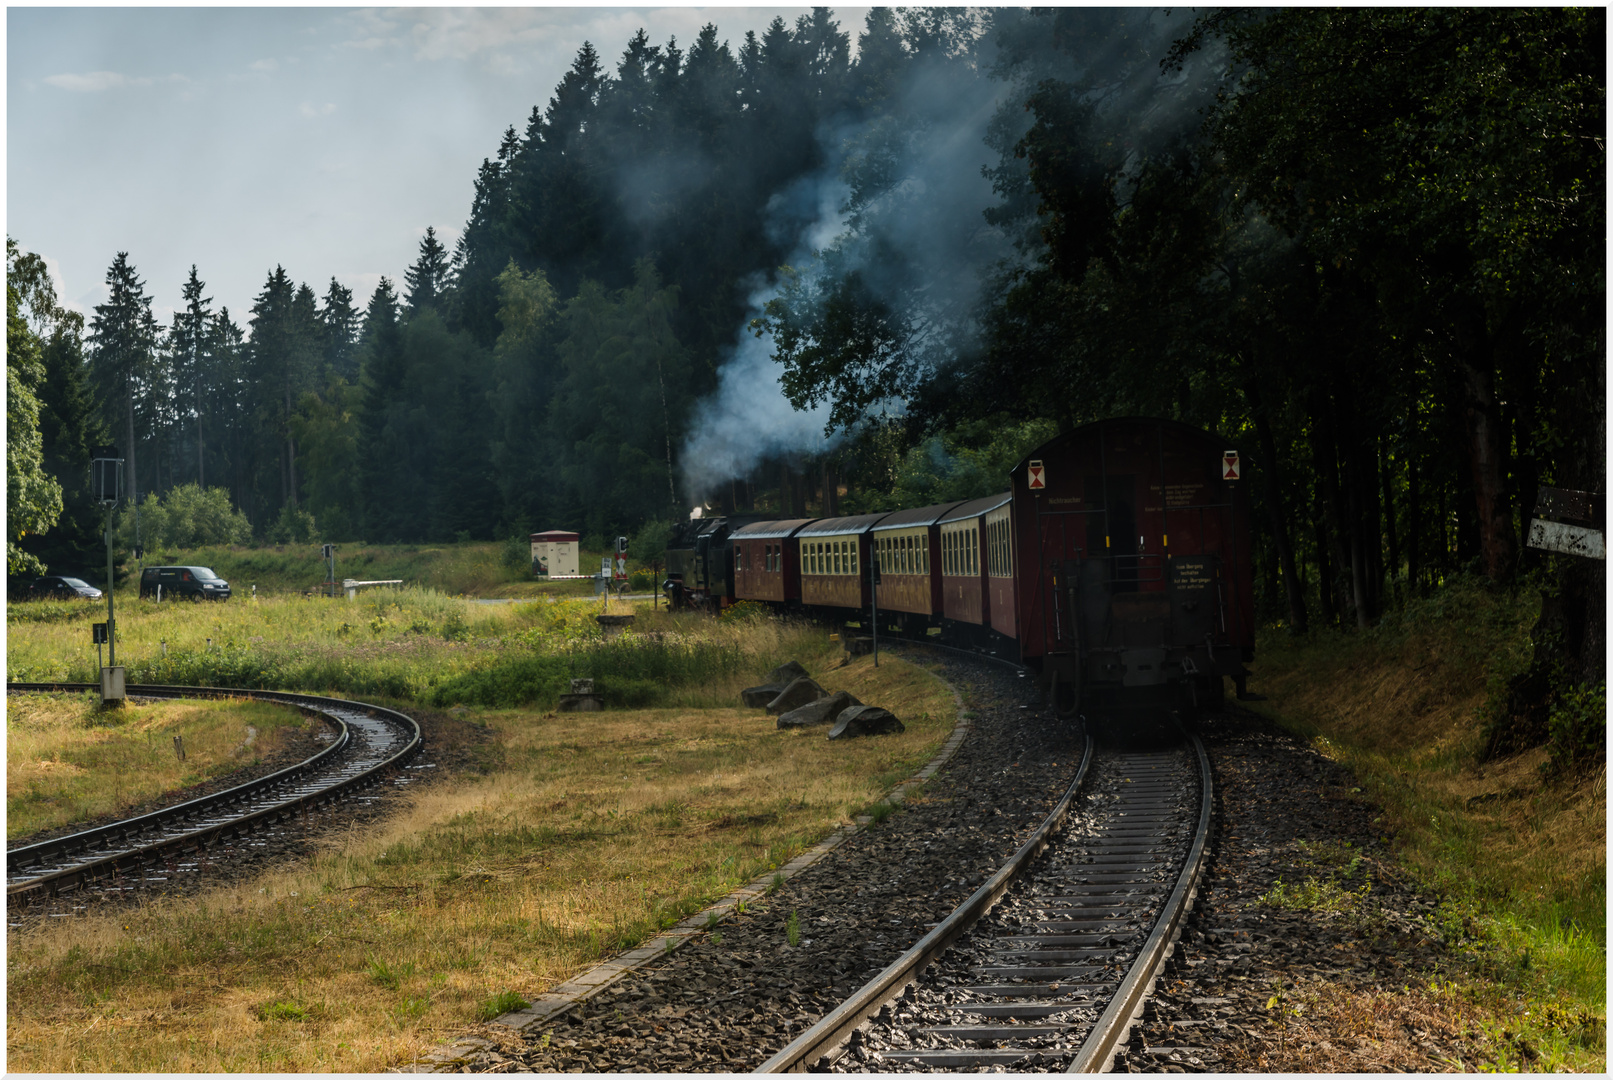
(822, 711)
(795, 695)
(865, 720)
(757, 697)
(785, 674)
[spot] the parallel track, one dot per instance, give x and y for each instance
(1053, 977)
(370, 743)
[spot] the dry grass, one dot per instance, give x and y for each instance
(598, 830)
(1520, 854)
(1433, 1028)
(69, 761)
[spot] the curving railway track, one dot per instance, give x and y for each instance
(1046, 965)
(370, 743)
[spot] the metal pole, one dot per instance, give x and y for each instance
(873, 592)
(111, 617)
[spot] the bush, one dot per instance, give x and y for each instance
(295, 526)
(1578, 726)
(649, 543)
(517, 553)
(185, 518)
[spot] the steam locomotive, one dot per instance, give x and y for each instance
(1117, 567)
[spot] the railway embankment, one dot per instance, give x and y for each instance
(1484, 877)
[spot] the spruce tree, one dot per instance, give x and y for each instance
(428, 279)
(341, 325)
(125, 336)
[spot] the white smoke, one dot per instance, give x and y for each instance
(931, 216)
(749, 419)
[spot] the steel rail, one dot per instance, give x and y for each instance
(1098, 1051)
(828, 1033)
(53, 882)
(1105, 1037)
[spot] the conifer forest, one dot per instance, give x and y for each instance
(1367, 246)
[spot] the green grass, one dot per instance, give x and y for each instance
(469, 569)
(415, 645)
(1517, 852)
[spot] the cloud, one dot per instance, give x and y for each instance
(94, 82)
(268, 64)
(308, 108)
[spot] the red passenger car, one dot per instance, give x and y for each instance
(766, 564)
(1132, 550)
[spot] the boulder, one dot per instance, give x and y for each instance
(757, 697)
(822, 711)
(795, 695)
(785, 674)
(865, 720)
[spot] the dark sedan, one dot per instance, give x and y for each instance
(58, 587)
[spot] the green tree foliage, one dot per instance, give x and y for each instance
(341, 325)
(69, 420)
(33, 497)
(428, 280)
(623, 374)
(184, 518)
(123, 363)
(326, 428)
(523, 383)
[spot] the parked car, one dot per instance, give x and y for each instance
(60, 587)
(183, 583)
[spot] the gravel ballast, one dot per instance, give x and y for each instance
(729, 1000)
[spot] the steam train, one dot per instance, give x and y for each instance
(1117, 567)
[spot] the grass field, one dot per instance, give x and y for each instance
(1520, 858)
(591, 832)
(468, 569)
(411, 644)
(69, 761)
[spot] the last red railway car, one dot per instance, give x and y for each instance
(1132, 549)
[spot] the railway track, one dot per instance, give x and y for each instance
(370, 743)
(1045, 966)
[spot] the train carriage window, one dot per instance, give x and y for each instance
(853, 551)
(924, 554)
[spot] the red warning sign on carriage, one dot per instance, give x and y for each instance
(1229, 465)
(1036, 476)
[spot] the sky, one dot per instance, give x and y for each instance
(324, 140)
